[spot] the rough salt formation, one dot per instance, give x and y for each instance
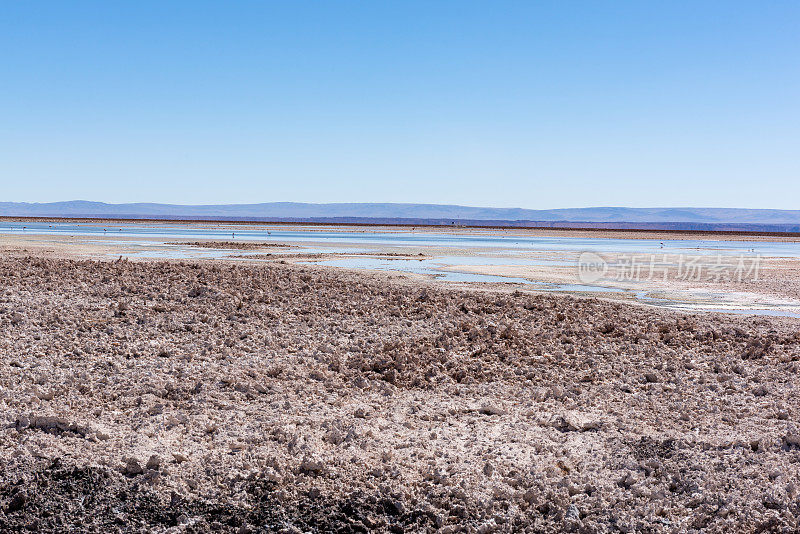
(234, 245)
(188, 397)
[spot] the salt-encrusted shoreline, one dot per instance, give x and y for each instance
(148, 396)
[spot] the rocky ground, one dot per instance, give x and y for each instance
(191, 397)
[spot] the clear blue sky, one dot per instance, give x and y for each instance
(528, 104)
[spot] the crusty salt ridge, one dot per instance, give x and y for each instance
(187, 397)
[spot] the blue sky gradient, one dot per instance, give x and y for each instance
(507, 104)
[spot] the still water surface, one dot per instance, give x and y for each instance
(491, 242)
(486, 249)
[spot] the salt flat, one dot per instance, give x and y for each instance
(194, 395)
(737, 272)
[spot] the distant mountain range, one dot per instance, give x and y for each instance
(604, 217)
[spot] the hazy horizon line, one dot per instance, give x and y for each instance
(393, 203)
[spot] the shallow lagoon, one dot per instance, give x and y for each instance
(353, 249)
(405, 238)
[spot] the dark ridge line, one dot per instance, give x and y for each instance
(562, 226)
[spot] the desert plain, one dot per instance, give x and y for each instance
(203, 395)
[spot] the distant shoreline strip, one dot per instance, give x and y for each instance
(778, 230)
